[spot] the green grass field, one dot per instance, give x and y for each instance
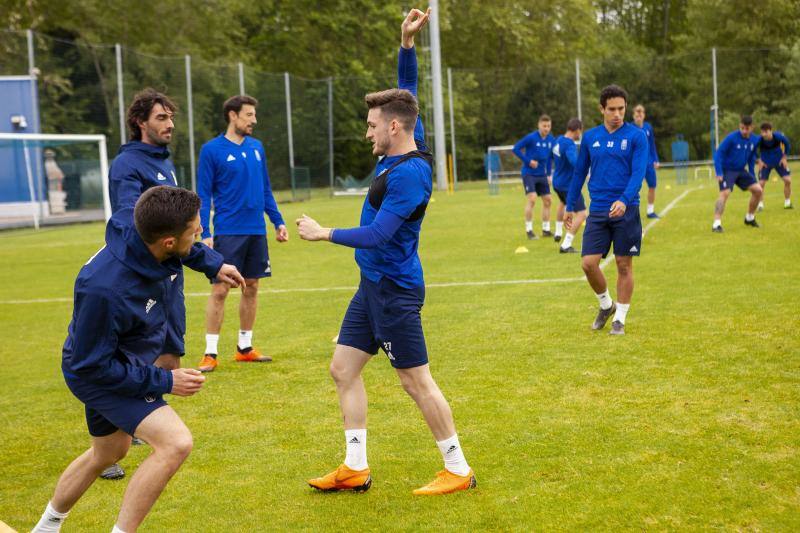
(690, 421)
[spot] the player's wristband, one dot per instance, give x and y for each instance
(330, 235)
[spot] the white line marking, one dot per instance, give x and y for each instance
(605, 262)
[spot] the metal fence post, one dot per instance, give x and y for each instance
(452, 125)
(190, 115)
(330, 131)
(290, 138)
(578, 86)
(716, 103)
(241, 78)
(120, 95)
(35, 118)
(438, 105)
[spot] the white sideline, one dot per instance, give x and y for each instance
(605, 263)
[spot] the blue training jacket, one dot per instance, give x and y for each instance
(235, 178)
(736, 151)
(771, 152)
(565, 155)
(138, 167)
(617, 161)
(534, 147)
(119, 318)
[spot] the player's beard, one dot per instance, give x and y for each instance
(244, 132)
(380, 147)
(155, 138)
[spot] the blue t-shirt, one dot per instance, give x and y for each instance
(408, 186)
(234, 176)
(534, 147)
(565, 154)
(617, 161)
(772, 151)
(736, 151)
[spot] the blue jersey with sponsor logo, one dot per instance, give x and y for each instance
(735, 152)
(565, 154)
(234, 178)
(617, 162)
(534, 147)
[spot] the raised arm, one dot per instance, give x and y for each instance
(407, 76)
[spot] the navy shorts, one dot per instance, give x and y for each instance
(580, 205)
(106, 411)
(386, 315)
(782, 171)
(625, 232)
(650, 176)
(248, 253)
(176, 316)
(740, 178)
(537, 184)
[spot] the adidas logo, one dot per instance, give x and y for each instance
(354, 440)
(596, 144)
(633, 249)
(231, 158)
(161, 177)
(149, 305)
(451, 449)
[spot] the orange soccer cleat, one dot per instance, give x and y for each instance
(208, 364)
(251, 356)
(446, 482)
(343, 478)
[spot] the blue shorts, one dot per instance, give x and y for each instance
(625, 232)
(248, 253)
(536, 184)
(650, 176)
(740, 178)
(176, 316)
(780, 169)
(386, 315)
(106, 412)
(580, 205)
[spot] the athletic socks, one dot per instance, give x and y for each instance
(717, 223)
(453, 456)
(605, 300)
(51, 520)
(651, 208)
(116, 529)
(356, 442)
(559, 228)
(245, 340)
(567, 240)
(787, 202)
(749, 217)
(622, 312)
(212, 341)
(528, 225)
(546, 226)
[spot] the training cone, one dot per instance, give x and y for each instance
(668, 187)
(432, 200)
(521, 250)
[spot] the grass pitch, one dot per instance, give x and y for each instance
(690, 421)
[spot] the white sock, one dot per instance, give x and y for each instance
(559, 228)
(717, 223)
(787, 202)
(761, 205)
(116, 529)
(622, 312)
(528, 225)
(245, 339)
(51, 520)
(651, 208)
(212, 341)
(567, 242)
(605, 300)
(356, 441)
(749, 217)
(453, 456)
(546, 226)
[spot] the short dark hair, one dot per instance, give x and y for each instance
(545, 118)
(164, 211)
(574, 124)
(235, 103)
(612, 91)
(395, 103)
(766, 126)
(142, 105)
(747, 120)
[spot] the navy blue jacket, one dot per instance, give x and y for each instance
(138, 167)
(119, 318)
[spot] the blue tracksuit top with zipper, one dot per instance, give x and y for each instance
(119, 318)
(770, 151)
(736, 151)
(647, 128)
(138, 167)
(235, 178)
(534, 147)
(617, 162)
(565, 155)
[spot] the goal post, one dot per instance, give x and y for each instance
(502, 166)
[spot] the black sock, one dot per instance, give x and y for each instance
(245, 350)
(212, 355)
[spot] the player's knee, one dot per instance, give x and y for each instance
(219, 292)
(546, 201)
(108, 455)
(624, 268)
(340, 373)
(180, 446)
(588, 265)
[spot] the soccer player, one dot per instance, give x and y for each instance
(617, 154)
(535, 152)
(653, 164)
(233, 175)
(141, 164)
(118, 329)
(565, 153)
(773, 149)
(385, 311)
(734, 152)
